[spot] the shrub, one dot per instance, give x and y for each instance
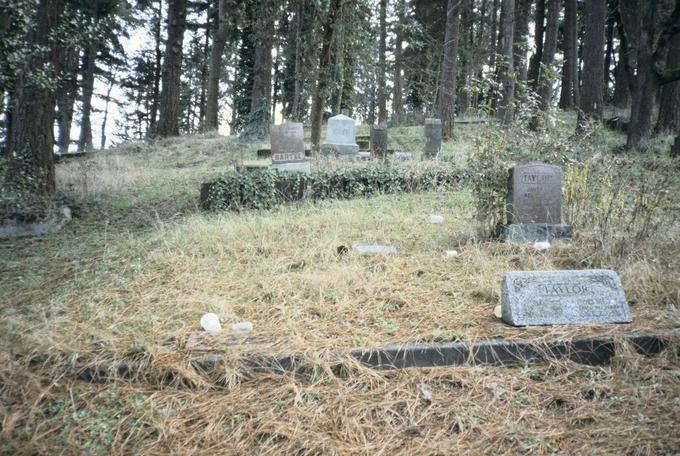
(268, 188)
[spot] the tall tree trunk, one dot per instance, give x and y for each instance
(319, 95)
(569, 96)
(106, 112)
(447, 94)
(669, 106)
(382, 65)
(608, 55)
(66, 97)
(621, 97)
(397, 100)
(204, 75)
(592, 93)
(521, 30)
(537, 57)
(89, 64)
(30, 166)
(297, 84)
(493, 44)
(219, 41)
(639, 24)
(158, 54)
(466, 53)
(505, 110)
(168, 123)
(257, 127)
(545, 83)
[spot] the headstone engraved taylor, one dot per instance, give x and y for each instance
(563, 297)
(288, 147)
(379, 142)
(534, 204)
(340, 137)
(433, 138)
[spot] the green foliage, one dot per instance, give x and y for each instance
(266, 189)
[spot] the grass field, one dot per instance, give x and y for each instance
(140, 263)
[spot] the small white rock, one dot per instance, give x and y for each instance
(211, 323)
(498, 312)
(451, 253)
(244, 326)
(436, 219)
(541, 246)
(425, 391)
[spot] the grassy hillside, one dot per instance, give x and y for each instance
(140, 264)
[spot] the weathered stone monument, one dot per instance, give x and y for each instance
(563, 297)
(534, 204)
(379, 142)
(433, 138)
(340, 137)
(288, 147)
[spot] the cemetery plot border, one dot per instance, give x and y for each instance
(594, 351)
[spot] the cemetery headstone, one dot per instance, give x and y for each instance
(340, 137)
(369, 249)
(433, 138)
(534, 204)
(288, 147)
(379, 142)
(563, 297)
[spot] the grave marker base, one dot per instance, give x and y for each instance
(532, 232)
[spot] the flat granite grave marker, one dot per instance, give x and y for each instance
(340, 137)
(534, 204)
(288, 147)
(563, 297)
(433, 138)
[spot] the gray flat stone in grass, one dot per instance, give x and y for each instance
(14, 228)
(374, 248)
(563, 297)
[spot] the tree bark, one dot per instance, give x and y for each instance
(297, 84)
(507, 77)
(669, 106)
(522, 9)
(319, 95)
(66, 97)
(537, 57)
(382, 65)
(219, 42)
(569, 96)
(168, 123)
(259, 117)
(397, 100)
(89, 64)
(158, 54)
(621, 97)
(467, 51)
(545, 83)
(592, 93)
(106, 112)
(447, 93)
(30, 155)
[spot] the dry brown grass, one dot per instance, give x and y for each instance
(133, 275)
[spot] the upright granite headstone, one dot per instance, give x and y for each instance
(379, 142)
(534, 204)
(433, 138)
(563, 297)
(340, 137)
(288, 147)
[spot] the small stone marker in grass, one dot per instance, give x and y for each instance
(288, 147)
(379, 142)
(369, 249)
(534, 204)
(563, 297)
(433, 138)
(340, 137)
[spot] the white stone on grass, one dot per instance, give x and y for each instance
(244, 326)
(436, 219)
(211, 323)
(541, 246)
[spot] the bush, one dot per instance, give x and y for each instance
(268, 188)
